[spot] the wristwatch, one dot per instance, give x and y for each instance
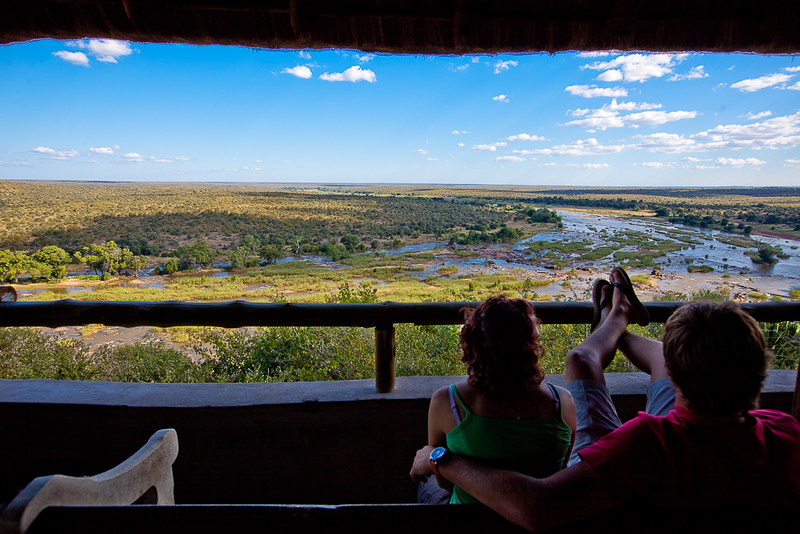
(438, 455)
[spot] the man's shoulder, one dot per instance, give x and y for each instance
(776, 418)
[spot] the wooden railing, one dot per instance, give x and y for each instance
(382, 317)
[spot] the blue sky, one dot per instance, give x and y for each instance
(111, 110)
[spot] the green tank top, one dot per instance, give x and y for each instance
(537, 447)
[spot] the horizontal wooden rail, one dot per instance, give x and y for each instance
(382, 316)
(242, 313)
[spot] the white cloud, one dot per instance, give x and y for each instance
(582, 147)
(694, 74)
(366, 58)
(509, 158)
(669, 143)
(76, 58)
(792, 69)
(500, 98)
(461, 144)
(756, 116)
(589, 165)
(795, 86)
(592, 91)
(612, 75)
(636, 67)
(652, 118)
(609, 116)
(103, 50)
(492, 147)
(304, 54)
(524, 137)
(103, 151)
(459, 132)
(422, 151)
(133, 156)
(654, 164)
(756, 84)
(791, 163)
(55, 154)
(733, 162)
(108, 50)
(353, 74)
(778, 132)
(184, 158)
(500, 66)
(300, 71)
(480, 148)
(596, 53)
(160, 160)
(775, 133)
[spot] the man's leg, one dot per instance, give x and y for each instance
(584, 378)
(648, 356)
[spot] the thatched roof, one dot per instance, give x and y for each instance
(420, 26)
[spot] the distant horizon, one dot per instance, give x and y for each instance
(99, 110)
(402, 184)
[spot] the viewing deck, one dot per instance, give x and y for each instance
(348, 442)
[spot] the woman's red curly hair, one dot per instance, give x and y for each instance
(500, 345)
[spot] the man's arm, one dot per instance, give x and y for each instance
(567, 496)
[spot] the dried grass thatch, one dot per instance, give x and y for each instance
(420, 26)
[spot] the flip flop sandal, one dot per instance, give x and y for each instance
(599, 301)
(641, 316)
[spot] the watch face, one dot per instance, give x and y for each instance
(438, 453)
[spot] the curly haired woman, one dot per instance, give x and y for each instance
(504, 414)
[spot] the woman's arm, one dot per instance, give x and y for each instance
(568, 413)
(440, 422)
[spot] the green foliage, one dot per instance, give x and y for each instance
(109, 258)
(700, 268)
(783, 339)
(170, 267)
(12, 265)
(145, 362)
(363, 294)
(29, 353)
(197, 254)
(270, 253)
(289, 354)
(52, 255)
(448, 270)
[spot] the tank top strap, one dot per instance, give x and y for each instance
(556, 397)
(453, 392)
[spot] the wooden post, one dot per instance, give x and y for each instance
(384, 358)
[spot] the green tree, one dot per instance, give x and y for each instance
(198, 254)
(270, 253)
(250, 244)
(55, 257)
(109, 258)
(12, 264)
(170, 267)
(238, 257)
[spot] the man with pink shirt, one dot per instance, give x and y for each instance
(701, 444)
